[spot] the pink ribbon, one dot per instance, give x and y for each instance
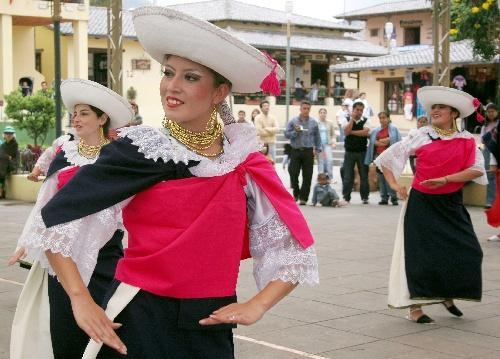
(271, 84)
(476, 103)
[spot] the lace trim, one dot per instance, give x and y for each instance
(80, 240)
(156, 144)
(277, 255)
(70, 149)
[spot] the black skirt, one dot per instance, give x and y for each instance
(442, 254)
(156, 327)
(68, 340)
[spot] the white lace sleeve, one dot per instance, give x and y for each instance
(479, 166)
(396, 156)
(276, 254)
(80, 239)
(49, 154)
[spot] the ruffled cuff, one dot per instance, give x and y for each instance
(394, 159)
(277, 255)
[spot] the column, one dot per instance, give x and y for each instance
(80, 49)
(6, 56)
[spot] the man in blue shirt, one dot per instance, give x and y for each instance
(304, 138)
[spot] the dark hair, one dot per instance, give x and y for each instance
(323, 175)
(357, 104)
(262, 103)
(241, 111)
(491, 106)
(304, 102)
(99, 113)
(386, 113)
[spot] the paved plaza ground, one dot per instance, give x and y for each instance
(346, 316)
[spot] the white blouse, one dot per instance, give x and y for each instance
(396, 156)
(276, 254)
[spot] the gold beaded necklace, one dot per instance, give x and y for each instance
(444, 133)
(197, 141)
(92, 151)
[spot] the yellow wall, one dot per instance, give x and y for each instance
(378, 22)
(23, 39)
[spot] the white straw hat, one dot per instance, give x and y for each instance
(78, 91)
(433, 95)
(164, 31)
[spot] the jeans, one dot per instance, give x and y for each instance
(491, 188)
(301, 159)
(272, 150)
(352, 159)
(325, 161)
(385, 190)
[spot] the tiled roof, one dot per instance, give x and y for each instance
(460, 54)
(387, 7)
(217, 10)
(346, 45)
(97, 27)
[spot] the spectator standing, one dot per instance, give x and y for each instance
(356, 131)
(421, 122)
(380, 139)
(490, 162)
(327, 135)
(348, 99)
(408, 104)
(241, 116)
(255, 112)
(267, 127)
(45, 89)
(304, 138)
(137, 120)
(313, 95)
(342, 113)
(8, 156)
(392, 104)
(367, 112)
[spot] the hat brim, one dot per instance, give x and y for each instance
(164, 31)
(433, 95)
(78, 91)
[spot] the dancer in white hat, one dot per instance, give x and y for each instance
(44, 326)
(199, 198)
(437, 257)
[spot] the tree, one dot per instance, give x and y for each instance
(35, 114)
(477, 20)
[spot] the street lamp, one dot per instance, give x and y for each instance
(288, 9)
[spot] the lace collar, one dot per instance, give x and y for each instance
(429, 131)
(241, 140)
(72, 155)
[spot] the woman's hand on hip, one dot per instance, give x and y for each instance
(92, 319)
(245, 313)
(434, 182)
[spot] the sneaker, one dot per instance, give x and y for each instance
(365, 201)
(494, 238)
(383, 203)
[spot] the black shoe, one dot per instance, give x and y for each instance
(488, 206)
(453, 310)
(365, 201)
(383, 203)
(395, 203)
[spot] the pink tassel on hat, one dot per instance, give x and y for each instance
(270, 83)
(476, 103)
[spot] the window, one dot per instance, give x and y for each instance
(373, 32)
(38, 60)
(412, 36)
(393, 96)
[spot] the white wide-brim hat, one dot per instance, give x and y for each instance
(434, 95)
(164, 31)
(85, 92)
